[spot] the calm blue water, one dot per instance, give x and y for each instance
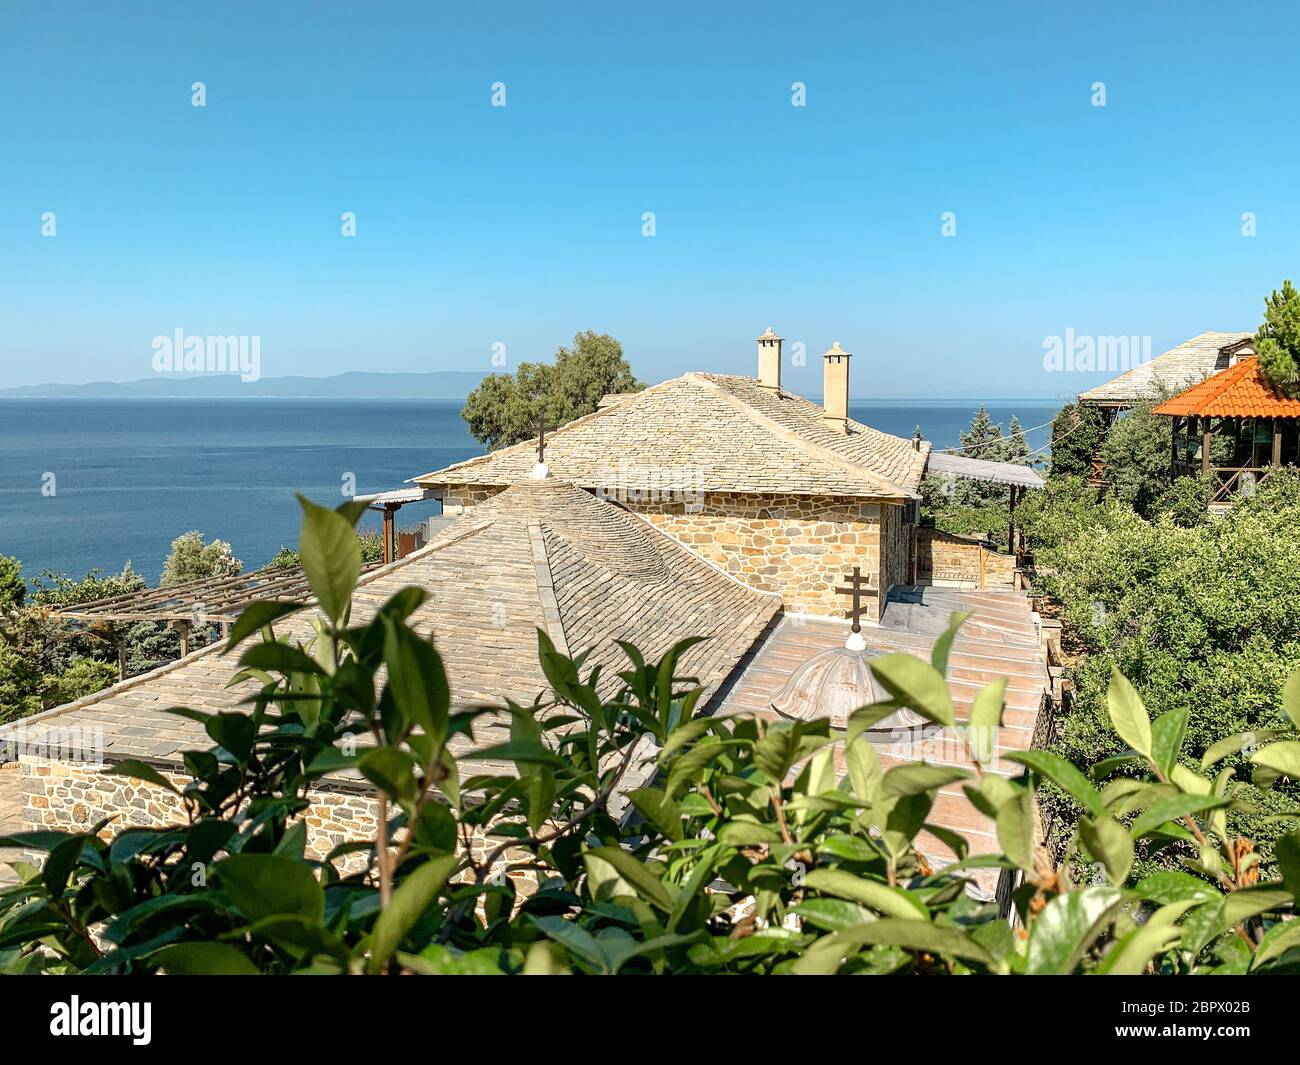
(133, 474)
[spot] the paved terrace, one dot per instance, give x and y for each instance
(999, 640)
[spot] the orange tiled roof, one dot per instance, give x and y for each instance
(1240, 391)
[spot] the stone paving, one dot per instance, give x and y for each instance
(10, 816)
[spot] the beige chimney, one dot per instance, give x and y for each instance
(769, 360)
(835, 388)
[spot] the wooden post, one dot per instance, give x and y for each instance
(121, 659)
(1205, 447)
(1277, 442)
(1173, 447)
(183, 631)
(1011, 520)
(388, 533)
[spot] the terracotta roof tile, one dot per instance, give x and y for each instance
(1240, 391)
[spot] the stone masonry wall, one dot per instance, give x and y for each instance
(946, 558)
(74, 796)
(800, 547)
(456, 499)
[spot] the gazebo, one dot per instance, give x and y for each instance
(1234, 429)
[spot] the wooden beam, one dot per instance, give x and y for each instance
(1277, 442)
(1205, 447)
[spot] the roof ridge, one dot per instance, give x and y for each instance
(599, 412)
(820, 450)
(552, 619)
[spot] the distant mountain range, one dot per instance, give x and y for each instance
(449, 384)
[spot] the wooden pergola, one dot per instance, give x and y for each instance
(192, 604)
(1018, 478)
(1239, 414)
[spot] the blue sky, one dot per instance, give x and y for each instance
(522, 224)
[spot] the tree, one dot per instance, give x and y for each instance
(1016, 448)
(1277, 344)
(1077, 433)
(191, 559)
(505, 409)
(13, 589)
(982, 439)
(1135, 455)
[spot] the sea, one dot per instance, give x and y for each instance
(92, 484)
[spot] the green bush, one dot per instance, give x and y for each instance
(1204, 620)
(746, 852)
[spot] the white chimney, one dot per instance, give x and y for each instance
(769, 360)
(835, 388)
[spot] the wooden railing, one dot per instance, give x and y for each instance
(1096, 472)
(1226, 481)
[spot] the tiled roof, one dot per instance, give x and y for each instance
(999, 641)
(542, 554)
(714, 433)
(1237, 392)
(1177, 368)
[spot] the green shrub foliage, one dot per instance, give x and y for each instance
(661, 840)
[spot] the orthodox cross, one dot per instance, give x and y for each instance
(855, 589)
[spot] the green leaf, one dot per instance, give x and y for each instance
(1127, 714)
(1065, 776)
(1291, 698)
(1232, 744)
(331, 558)
(269, 885)
(917, 685)
(1238, 906)
(1282, 937)
(943, 645)
(657, 808)
(417, 680)
(826, 955)
(1173, 885)
(1131, 955)
(281, 657)
(1067, 927)
(832, 915)
(746, 834)
(574, 938)
(1167, 738)
(203, 959)
(389, 768)
(255, 617)
(865, 773)
(1283, 757)
(1108, 843)
(415, 894)
(1174, 808)
(637, 875)
(1015, 825)
(891, 901)
(986, 710)
(917, 778)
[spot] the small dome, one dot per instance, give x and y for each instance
(835, 683)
